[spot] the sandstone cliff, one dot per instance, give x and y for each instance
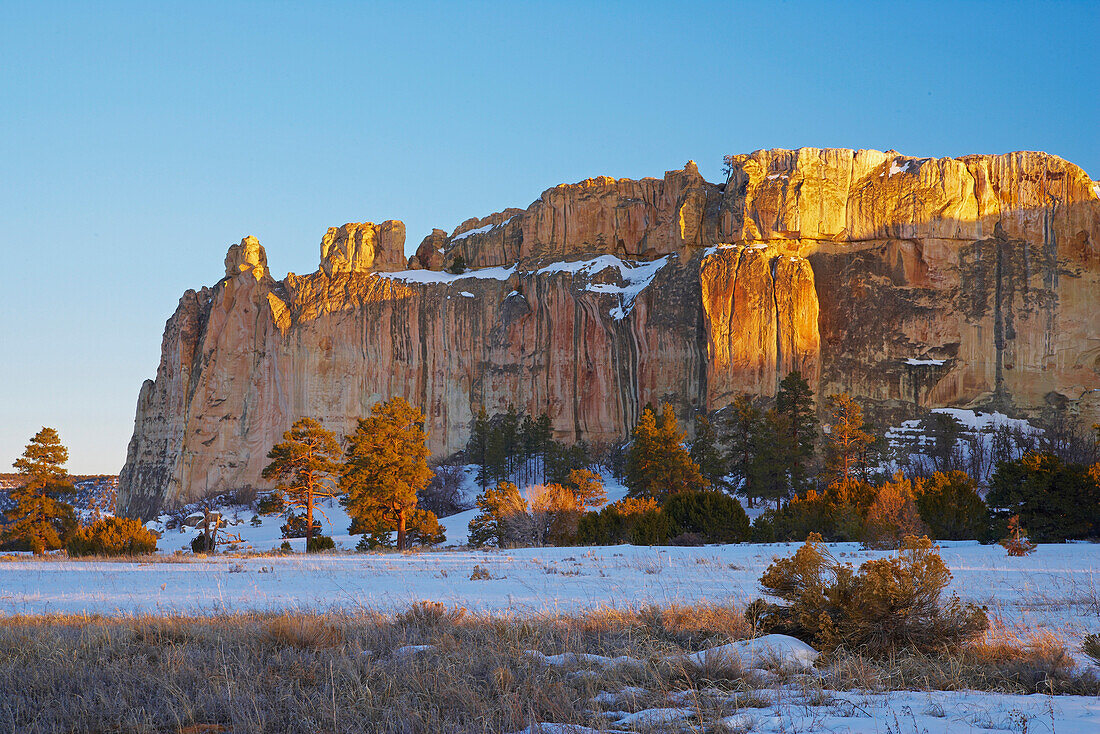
(955, 281)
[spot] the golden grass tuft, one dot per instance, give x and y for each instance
(302, 631)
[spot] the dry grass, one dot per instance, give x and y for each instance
(1007, 659)
(294, 673)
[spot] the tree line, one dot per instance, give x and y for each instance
(826, 478)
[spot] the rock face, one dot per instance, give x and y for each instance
(907, 282)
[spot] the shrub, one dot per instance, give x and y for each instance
(480, 573)
(200, 544)
(716, 516)
(503, 519)
(443, 495)
(1055, 500)
(652, 527)
(112, 536)
(285, 547)
(893, 515)
(319, 543)
(613, 524)
(430, 614)
(949, 504)
(245, 495)
(272, 503)
(887, 604)
(837, 513)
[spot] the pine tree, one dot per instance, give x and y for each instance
(772, 466)
(304, 465)
(387, 464)
(706, 453)
(587, 487)
(477, 449)
(39, 521)
(945, 431)
(847, 443)
(658, 464)
(950, 505)
(744, 429)
(795, 403)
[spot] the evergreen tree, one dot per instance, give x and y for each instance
(477, 450)
(795, 403)
(560, 460)
(1054, 500)
(39, 521)
(706, 453)
(847, 443)
(951, 507)
(945, 431)
(744, 432)
(387, 465)
(658, 464)
(303, 466)
(772, 465)
(587, 487)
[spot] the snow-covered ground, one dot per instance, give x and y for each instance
(1058, 586)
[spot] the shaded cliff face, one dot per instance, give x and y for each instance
(970, 281)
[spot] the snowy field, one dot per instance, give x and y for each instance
(1059, 585)
(1056, 588)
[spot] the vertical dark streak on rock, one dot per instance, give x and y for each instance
(778, 323)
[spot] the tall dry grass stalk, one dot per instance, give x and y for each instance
(370, 672)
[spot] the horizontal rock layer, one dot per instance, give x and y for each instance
(932, 282)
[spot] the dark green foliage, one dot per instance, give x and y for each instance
(887, 604)
(1055, 501)
(295, 526)
(707, 454)
(945, 432)
(652, 527)
(112, 536)
(562, 460)
(744, 425)
(458, 265)
(657, 463)
(613, 524)
(319, 543)
(838, 513)
(511, 447)
(949, 504)
(201, 544)
(794, 404)
(715, 516)
(272, 503)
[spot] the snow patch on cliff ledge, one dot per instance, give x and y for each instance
(635, 276)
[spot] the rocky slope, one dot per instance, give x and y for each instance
(970, 281)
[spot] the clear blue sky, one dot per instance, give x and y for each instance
(138, 140)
